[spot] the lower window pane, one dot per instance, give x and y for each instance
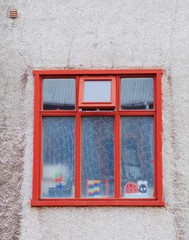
(58, 157)
(137, 157)
(97, 157)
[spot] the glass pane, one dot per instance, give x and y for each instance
(59, 94)
(137, 93)
(97, 157)
(97, 91)
(58, 157)
(137, 157)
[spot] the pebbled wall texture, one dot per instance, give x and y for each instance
(98, 34)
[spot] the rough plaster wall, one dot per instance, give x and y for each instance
(92, 34)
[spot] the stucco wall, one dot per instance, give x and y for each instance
(94, 34)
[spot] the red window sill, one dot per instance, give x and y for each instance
(96, 202)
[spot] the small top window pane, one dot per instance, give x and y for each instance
(137, 93)
(97, 91)
(59, 94)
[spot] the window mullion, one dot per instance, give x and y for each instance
(77, 145)
(117, 156)
(117, 161)
(78, 156)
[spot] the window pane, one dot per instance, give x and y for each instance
(58, 94)
(137, 93)
(97, 157)
(97, 91)
(58, 157)
(137, 157)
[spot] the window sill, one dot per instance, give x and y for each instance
(96, 202)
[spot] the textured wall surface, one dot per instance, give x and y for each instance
(58, 34)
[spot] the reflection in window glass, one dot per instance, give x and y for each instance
(58, 94)
(97, 157)
(97, 91)
(58, 157)
(137, 157)
(137, 93)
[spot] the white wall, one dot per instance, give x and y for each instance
(94, 34)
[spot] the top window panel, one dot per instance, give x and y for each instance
(137, 93)
(97, 92)
(59, 94)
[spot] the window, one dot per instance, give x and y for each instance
(97, 138)
(97, 92)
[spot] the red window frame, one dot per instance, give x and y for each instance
(106, 105)
(156, 112)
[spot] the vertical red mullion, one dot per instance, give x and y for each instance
(117, 141)
(77, 145)
(159, 136)
(37, 137)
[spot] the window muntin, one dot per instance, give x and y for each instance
(79, 197)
